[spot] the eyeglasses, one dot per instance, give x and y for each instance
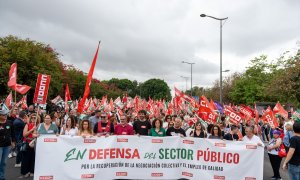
(103, 117)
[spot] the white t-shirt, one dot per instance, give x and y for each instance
(71, 132)
(188, 132)
(272, 143)
(255, 140)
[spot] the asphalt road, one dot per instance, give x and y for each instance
(13, 173)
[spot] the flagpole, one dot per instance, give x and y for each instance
(15, 97)
(37, 114)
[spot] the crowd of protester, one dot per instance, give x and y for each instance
(19, 128)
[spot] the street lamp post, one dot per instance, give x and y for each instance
(191, 75)
(221, 25)
(186, 78)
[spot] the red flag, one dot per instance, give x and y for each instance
(235, 117)
(12, 75)
(125, 98)
(213, 104)
(67, 98)
(280, 110)
(178, 92)
(270, 118)
(24, 102)
(247, 112)
(88, 82)
(67, 94)
(205, 106)
(206, 111)
(22, 89)
(41, 89)
(9, 100)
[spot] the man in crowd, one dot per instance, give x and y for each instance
(232, 135)
(19, 125)
(123, 128)
(176, 130)
(7, 139)
(94, 119)
(142, 126)
(103, 127)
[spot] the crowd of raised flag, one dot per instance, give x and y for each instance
(184, 116)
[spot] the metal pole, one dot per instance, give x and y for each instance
(185, 84)
(221, 83)
(221, 25)
(191, 79)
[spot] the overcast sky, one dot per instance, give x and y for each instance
(143, 39)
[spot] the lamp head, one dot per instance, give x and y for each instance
(202, 15)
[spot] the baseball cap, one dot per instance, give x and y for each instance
(3, 109)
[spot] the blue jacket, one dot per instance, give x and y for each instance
(18, 125)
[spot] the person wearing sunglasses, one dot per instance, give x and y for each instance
(104, 127)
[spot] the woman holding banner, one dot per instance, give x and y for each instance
(216, 132)
(27, 165)
(198, 131)
(157, 129)
(70, 127)
(47, 127)
(85, 129)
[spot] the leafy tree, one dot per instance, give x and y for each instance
(285, 85)
(155, 89)
(32, 58)
(250, 86)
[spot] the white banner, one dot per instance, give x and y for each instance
(133, 157)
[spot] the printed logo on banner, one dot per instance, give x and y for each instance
(250, 178)
(188, 142)
(220, 144)
(121, 173)
(122, 140)
(46, 178)
(157, 174)
(89, 141)
(157, 140)
(87, 176)
(216, 177)
(50, 140)
(251, 146)
(187, 174)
